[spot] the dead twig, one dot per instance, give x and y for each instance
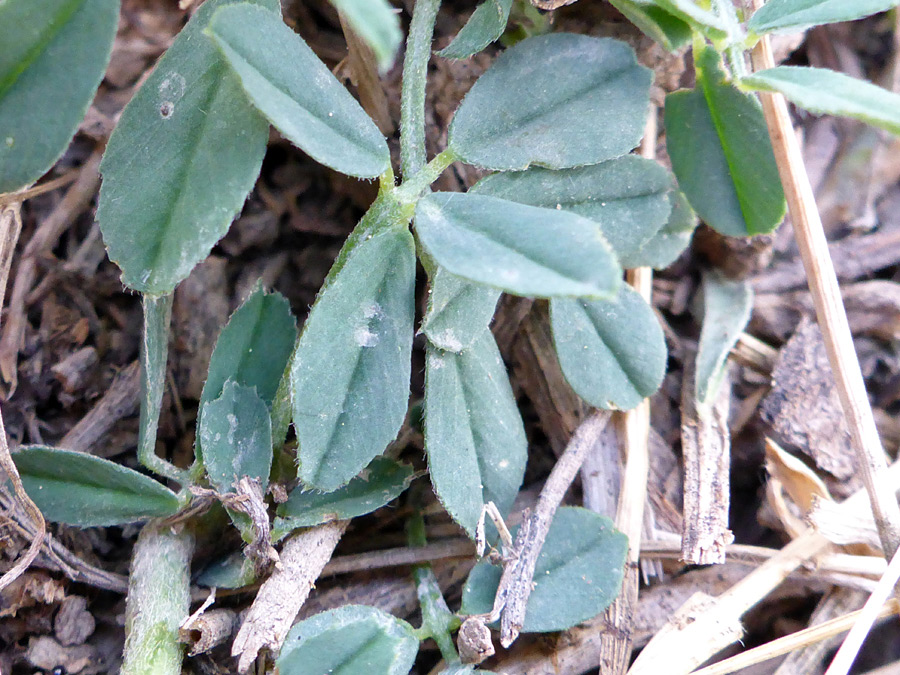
(706, 446)
(518, 572)
(280, 598)
(829, 308)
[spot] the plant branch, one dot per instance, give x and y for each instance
(154, 353)
(412, 95)
(158, 601)
(830, 310)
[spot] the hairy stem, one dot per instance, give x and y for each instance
(437, 620)
(158, 601)
(154, 353)
(412, 95)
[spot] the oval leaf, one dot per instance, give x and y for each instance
(53, 58)
(824, 91)
(252, 350)
(180, 163)
(351, 369)
(521, 249)
(236, 434)
(656, 23)
(458, 311)
(557, 101)
(627, 197)
(798, 15)
(474, 436)
(297, 92)
(578, 573)
(486, 24)
(727, 306)
(78, 489)
(667, 244)
(379, 483)
(613, 353)
(721, 154)
(376, 22)
(232, 571)
(350, 639)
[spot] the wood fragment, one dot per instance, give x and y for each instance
(208, 630)
(854, 258)
(803, 407)
(363, 69)
(829, 308)
(706, 448)
(272, 613)
(120, 400)
(754, 353)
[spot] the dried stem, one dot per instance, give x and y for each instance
(830, 311)
(846, 655)
(789, 643)
(616, 640)
(270, 617)
(516, 582)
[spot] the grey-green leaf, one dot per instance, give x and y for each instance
(458, 311)
(486, 24)
(721, 153)
(376, 22)
(78, 489)
(524, 250)
(347, 641)
(627, 196)
(253, 349)
(474, 436)
(798, 15)
(824, 91)
(297, 92)
(379, 483)
(658, 24)
(612, 352)
(667, 244)
(351, 369)
(558, 101)
(180, 163)
(578, 573)
(52, 60)
(236, 434)
(727, 307)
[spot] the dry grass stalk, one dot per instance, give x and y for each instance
(616, 639)
(829, 306)
(846, 655)
(789, 643)
(701, 629)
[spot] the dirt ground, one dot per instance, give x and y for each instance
(69, 345)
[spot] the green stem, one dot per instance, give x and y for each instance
(154, 353)
(412, 188)
(412, 95)
(158, 601)
(734, 51)
(438, 622)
